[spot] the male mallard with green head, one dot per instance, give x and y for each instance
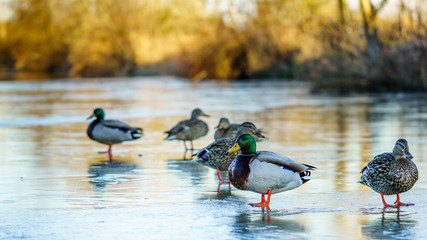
(110, 131)
(216, 154)
(391, 173)
(189, 129)
(263, 171)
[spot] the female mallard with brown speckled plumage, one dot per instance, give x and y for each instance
(189, 129)
(110, 131)
(225, 129)
(391, 173)
(264, 172)
(216, 154)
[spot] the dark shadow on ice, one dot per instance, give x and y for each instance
(106, 173)
(390, 224)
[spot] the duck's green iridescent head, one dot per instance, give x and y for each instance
(246, 143)
(401, 149)
(98, 113)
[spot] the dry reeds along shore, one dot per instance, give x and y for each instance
(337, 45)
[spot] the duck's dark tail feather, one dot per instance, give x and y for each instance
(137, 133)
(310, 167)
(305, 176)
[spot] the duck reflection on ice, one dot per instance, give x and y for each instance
(263, 221)
(219, 194)
(392, 224)
(109, 173)
(188, 170)
(219, 188)
(198, 173)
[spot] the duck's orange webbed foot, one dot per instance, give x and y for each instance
(396, 204)
(263, 202)
(399, 203)
(403, 204)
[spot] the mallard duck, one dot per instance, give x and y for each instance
(110, 131)
(216, 154)
(189, 129)
(263, 171)
(391, 173)
(225, 129)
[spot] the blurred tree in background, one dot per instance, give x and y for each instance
(329, 42)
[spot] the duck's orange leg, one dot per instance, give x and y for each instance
(185, 146)
(384, 202)
(263, 202)
(110, 155)
(399, 203)
(219, 177)
(192, 147)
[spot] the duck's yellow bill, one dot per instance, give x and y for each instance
(236, 147)
(91, 116)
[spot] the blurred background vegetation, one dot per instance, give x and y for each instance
(336, 44)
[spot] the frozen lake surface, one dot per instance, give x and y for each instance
(54, 184)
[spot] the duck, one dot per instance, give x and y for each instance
(189, 129)
(110, 131)
(225, 129)
(264, 172)
(391, 173)
(215, 155)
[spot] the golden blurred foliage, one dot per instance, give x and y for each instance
(326, 41)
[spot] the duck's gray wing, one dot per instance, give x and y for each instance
(281, 160)
(178, 128)
(118, 124)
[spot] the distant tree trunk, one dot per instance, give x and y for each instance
(420, 19)
(240, 62)
(400, 16)
(374, 47)
(341, 12)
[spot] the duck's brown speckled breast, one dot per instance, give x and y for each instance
(239, 171)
